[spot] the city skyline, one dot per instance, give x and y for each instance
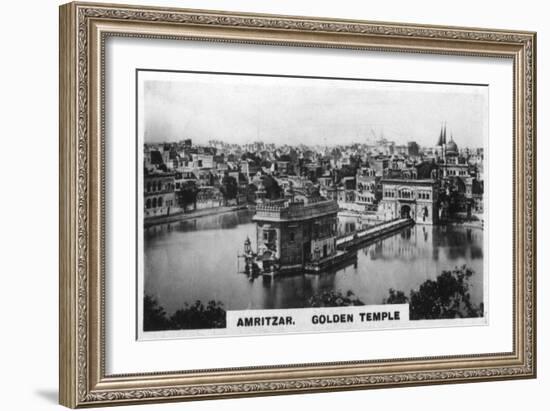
(239, 109)
(211, 142)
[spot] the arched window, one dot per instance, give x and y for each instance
(149, 186)
(154, 202)
(405, 193)
(148, 203)
(159, 186)
(160, 202)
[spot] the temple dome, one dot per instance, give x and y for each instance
(451, 147)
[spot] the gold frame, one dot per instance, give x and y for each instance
(83, 30)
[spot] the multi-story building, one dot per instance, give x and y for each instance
(294, 233)
(401, 149)
(379, 164)
(202, 161)
(366, 189)
(249, 169)
(415, 199)
(159, 194)
(209, 197)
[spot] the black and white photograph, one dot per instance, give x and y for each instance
(292, 204)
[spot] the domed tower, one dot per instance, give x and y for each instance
(451, 152)
(451, 147)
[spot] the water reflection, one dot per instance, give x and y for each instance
(197, 260)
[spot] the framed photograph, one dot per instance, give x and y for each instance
(259, 204)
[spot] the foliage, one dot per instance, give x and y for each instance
(396, 297)
(477, 186)
(189, 317)
(424, 169)
(265, 163)
(448, 296)
(355, 162)
(334, 299)
(188, 194)
(229, 187)
(272, 188)
(253, 157)
(198, 316)
(154, 316)
(285, 157)
(345, 171)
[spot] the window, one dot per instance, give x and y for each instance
(148, 203)
(405, 193)
(291, 236)
(160, 202)
(154, 202)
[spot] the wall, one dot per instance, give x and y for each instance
(28, 213)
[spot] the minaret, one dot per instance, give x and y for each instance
(445, 143)
(439, 144)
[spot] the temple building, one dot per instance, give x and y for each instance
(450, 161)
(457, 176)
(291, 234)
(410, 198)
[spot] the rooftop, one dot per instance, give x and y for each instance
(426, 181)
(294, 210)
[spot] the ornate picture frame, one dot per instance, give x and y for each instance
(84, 30)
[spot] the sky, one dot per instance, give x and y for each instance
(282, 110)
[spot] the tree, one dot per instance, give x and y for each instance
(424, 169)
(477, 187)
(251, 191)
(194, 316)
(253, 157)
(188, 194)
(198, 316)
(265, 163)
(448, 296)
(345, 171)
(154, 316)
(284, 157)
(355, 162)
(229, 187)
(272, 188)
(396, 297)
(334, 299)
